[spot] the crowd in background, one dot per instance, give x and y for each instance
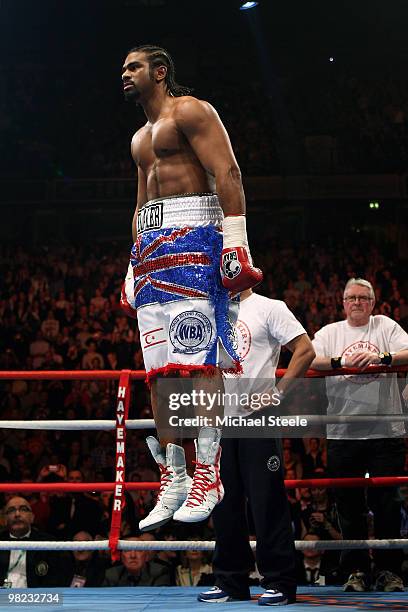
(59, 305)
(299, 123)
(59, 310)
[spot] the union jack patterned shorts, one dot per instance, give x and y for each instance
(184, 314)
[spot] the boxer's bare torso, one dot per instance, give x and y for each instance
(166, 161)
(183, 148)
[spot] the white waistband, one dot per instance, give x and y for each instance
(192, 210)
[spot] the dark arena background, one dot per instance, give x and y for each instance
(314, 96)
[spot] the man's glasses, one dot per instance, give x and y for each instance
(13, 510)
(364, 299)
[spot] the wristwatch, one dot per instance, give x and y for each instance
(385, 358)
(335, 363)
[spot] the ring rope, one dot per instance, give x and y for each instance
(61, 425)
(76, 487)
(141, 374)
(196, 545)
(114, 544)
(104, 424)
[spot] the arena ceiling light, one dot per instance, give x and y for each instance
(248, 5)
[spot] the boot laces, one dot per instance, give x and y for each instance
(165, 479)
(202, 482)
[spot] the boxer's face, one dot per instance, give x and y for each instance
(136, 76)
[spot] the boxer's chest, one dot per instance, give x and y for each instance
(162, 140)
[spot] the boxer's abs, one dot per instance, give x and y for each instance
(176, 175)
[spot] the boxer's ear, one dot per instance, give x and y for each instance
(160, 73)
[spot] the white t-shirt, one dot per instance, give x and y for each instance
(263, 326)
(367, 393)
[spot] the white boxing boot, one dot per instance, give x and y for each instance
(207, 490)
(174, 484)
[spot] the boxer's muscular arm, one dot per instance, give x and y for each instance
(202, 127)
(141, 185)
(200, 124)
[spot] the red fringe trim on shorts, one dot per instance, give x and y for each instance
(184, 371)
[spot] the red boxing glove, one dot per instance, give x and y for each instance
(237, 270)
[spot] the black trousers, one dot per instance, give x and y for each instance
(353, 458)
(252, 472)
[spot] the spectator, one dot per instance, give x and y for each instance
(168, 558)
(291, 462)
(144, 472)
(353, 449)
(74, 512)
(105, 503)
(40, 506)
(92, 360)
(313, 460)
(88, 569)
(135, 570)
(112, 361)
(50, 327)
(194, 570)
(52, 361)
(320, 516)
(102, 454)
(20, 467)
(57, 469)
(74, 459)
(38, 349)
(98, 301)
(87, 468)
(33, 568)
(308, 570)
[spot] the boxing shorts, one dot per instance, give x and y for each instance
(185, 316)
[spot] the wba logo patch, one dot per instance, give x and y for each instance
(190, 332)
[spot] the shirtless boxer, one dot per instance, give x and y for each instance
(183, 270)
